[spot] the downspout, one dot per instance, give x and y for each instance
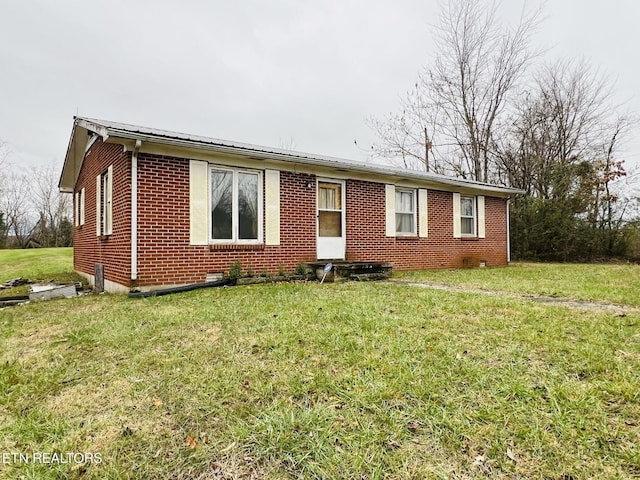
(508, 232)
(134, 211)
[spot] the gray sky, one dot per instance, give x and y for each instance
(264, 72)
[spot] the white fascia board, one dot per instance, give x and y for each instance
(94, 127)
(302, 162)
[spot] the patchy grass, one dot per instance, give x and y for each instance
(357, 380)
(38, 265)
(615, 283)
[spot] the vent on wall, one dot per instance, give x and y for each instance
(471, 261)
(212, 277)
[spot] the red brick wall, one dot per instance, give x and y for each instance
(366, 238)
(166, 258)
(164, 254)
(112, 251)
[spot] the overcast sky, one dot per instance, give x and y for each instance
(275, 73)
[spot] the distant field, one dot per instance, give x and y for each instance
(357, 380)
(37, 263)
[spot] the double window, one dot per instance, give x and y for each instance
(405, 212)
(236, 205)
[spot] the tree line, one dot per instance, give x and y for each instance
(33, 212)
(487, 109)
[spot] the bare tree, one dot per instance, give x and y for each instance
(606, 217)
(4, 154)
(563, 149)
(460, 99)
(53, 207)
(407, 138)
(562, 122)
(33, 212)
(15, 205)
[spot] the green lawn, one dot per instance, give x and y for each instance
(38, 265)
(355, 380)
(619, 283)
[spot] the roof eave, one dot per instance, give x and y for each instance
(310, 160)
(116, 132)
(76, 150)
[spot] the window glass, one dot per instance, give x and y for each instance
(247, 206)
(221, 205)
(466, 206)
(329, 196)
(467, 226)
(404, 202)
(404, 223)
(104, 204)
(105, 200)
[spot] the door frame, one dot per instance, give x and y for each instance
(343, 238)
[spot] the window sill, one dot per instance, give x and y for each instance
(225, 247)
(103, 238)
(469, 239)
(405, 236)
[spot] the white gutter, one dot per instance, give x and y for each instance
(508, 233)
(134, 210)
(327, 162)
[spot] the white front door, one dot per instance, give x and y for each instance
(331, 243)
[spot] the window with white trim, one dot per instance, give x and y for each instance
(405, 212)
(236, 205)
(468, 216)
(104, 202)
(79, 213)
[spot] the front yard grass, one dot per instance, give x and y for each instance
(355, 380)
(614, 283)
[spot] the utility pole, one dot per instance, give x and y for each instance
(427, 147)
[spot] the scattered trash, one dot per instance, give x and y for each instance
(48, 292)
(16, 282)
(37, 291)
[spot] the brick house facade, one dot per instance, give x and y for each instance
(156, 208)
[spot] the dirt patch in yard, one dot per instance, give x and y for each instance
(559, 301)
